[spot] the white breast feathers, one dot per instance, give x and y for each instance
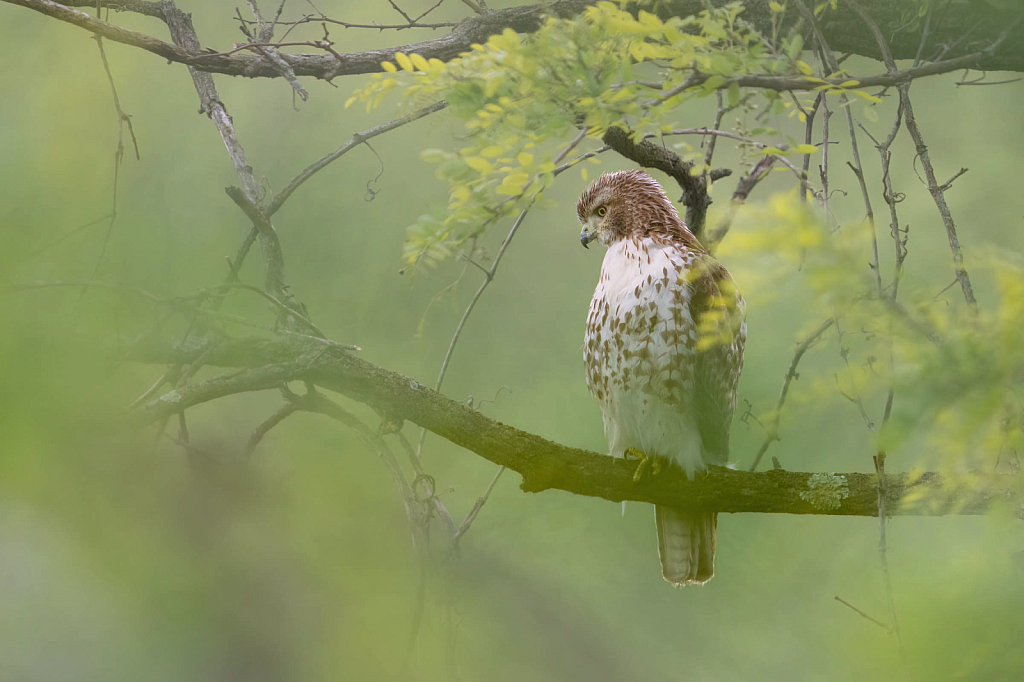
(640, 350)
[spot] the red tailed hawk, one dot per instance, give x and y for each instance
(663, 349)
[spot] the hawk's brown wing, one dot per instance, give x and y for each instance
(718, 311)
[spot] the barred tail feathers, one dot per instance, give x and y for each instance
(686, 545)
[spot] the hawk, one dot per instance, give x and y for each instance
(663, 350)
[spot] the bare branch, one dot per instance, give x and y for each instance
(480, 502)
(271, 54)
(809, 139)
(937, 191)
(743, 189)
(855, 398)
(320, 19)
(527, 19)
(772, 434)
(269, 242)
(882, 553)
(123, 119)
(273, 420)
(864, 615)
(357, 139)
(488, 277)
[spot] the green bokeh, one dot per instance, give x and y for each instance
(126, 558)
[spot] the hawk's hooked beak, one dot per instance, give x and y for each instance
(586, 237)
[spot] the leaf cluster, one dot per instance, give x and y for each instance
(521, 98)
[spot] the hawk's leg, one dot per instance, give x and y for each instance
(653, 463)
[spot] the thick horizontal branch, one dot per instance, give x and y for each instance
(842, 28)
(475, 29)
(64, 12)
(545, 465)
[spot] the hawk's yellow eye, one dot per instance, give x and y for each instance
(601, 210)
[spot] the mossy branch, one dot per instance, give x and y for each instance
(545, 465)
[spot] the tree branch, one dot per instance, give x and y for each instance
(743, 189)
(841, 27)
(937, 191)
(356, 140)
(772, 434)
(546, 465)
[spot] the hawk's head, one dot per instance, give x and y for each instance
(629, 202)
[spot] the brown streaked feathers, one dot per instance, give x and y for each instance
(637, 205)
(663, 349)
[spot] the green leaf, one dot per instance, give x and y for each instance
(865, 96)
(649, 20)
(796, 47)
(714, 82)
(479, 164)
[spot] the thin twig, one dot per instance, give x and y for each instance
(318, 19)
(855, 398)
(123, 119)
(937, 191)
(70, 233)
(271, 53)
(357, 139)
(823, 167)
(265, 426)
(488, 277)
(709, 153)
(809, 139)
(900, 247)
(480, 502)
(882, 550)
(864, 615)
(801, 348)
(739, 197)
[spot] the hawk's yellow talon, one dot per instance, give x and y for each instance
(633, 453)
(639, 473)
(646, 462)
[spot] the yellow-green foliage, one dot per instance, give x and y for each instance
(523, 98)
(966, 390)
(959, 391)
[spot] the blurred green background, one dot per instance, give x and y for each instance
(124, 557)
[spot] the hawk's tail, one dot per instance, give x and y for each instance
(686, 545)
